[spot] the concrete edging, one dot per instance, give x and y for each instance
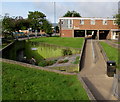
(103, 52)
(7, 46)
(90, 95)
(81, 55)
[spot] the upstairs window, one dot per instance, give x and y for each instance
(69, 23)
(81, 22)
(62, 21)
(92, 22)
(66, 23)
(104, 22)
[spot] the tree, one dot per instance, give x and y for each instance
(56, 29)
(72, 14)
(46, 26)
(22, 24)
(14, 24)
(8, 24)
(36, 18)
(118, 19)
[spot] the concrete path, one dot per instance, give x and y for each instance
(94, 73)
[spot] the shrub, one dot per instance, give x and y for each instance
(51, 62)
(55, 36)
(66, 52)
(63, 61)
(44, 63)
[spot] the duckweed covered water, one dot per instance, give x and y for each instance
(50, 51)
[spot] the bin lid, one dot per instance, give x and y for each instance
(111, 63)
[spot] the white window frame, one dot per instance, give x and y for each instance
(82, 22)
(92, 21)
(69, 23)
(104, 22)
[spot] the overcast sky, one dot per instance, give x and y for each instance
(86, 9)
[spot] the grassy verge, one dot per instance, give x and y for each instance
(21, 83)
(117, 42)
(67, 42)
(111, 52)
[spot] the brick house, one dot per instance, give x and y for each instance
(97, 28)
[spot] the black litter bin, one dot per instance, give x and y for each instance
(111, 68)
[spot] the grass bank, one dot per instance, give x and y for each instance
(21, 83)
(61, 41)
(111, 52)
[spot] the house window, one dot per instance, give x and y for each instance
(104, 22)
(66, 24)
(69, 23)
(81, 22)
(62, 21)
(92, 22)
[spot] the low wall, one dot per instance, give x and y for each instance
(116, 86)
(10, 51)
(1, 50)
(82, 55)
(103, 52)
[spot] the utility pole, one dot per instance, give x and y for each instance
(54, 16)
(54, 12)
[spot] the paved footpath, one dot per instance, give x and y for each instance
(94, 73)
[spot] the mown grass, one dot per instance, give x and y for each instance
(22, 83)
(61, 41)
(111, 52)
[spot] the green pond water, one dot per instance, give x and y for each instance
(46, 50)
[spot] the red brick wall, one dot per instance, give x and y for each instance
(98, 25)
(87, 26)
(66, 33)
